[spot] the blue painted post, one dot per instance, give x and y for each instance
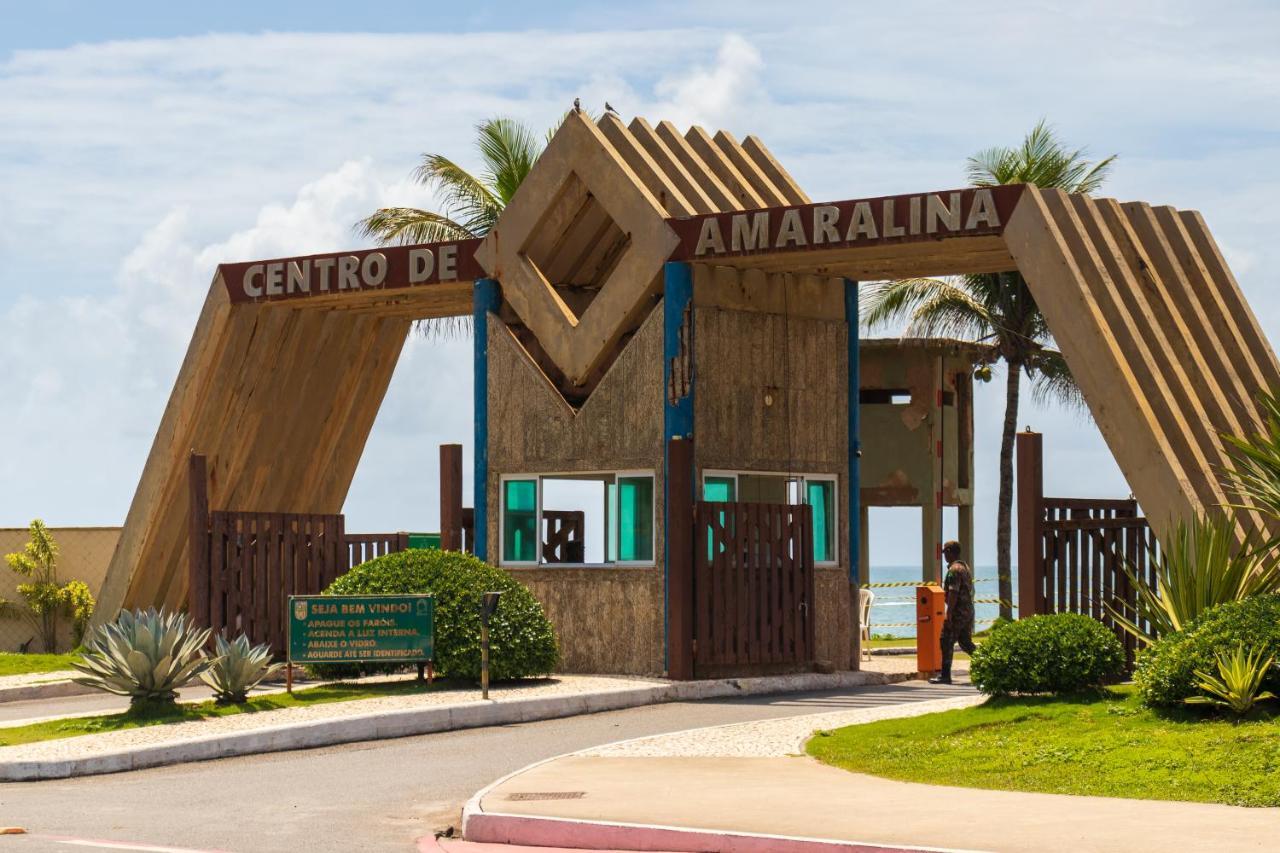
(855, 442)
(678, 485)
(485, 300)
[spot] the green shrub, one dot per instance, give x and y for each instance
(1058, 653)
(522, 642)
(1165, 674)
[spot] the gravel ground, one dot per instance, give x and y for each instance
(85, 745)
(770, 738)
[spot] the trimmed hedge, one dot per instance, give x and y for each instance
(522, 642)
(1056, 653)
(1165, 670)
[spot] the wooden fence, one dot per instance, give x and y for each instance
(243, 566)
(563, 537)
(256, 560)
(753, 585)
(1073, 552)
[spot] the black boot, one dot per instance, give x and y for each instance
(948, 650)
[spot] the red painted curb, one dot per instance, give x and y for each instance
(587, 835)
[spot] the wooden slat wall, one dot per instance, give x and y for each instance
(1157, 334)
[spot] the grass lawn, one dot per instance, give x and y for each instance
(55, 729)
(16, 664)
(1107, 745)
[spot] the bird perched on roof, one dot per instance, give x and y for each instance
(609, 108)
(577, 105)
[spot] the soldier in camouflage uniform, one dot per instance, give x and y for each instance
(957, 627)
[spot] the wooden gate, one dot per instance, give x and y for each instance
(753, 587)
(1073, 552)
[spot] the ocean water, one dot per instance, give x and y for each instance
(894, 611)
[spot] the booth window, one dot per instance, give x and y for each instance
(816, 490)
(593, 519)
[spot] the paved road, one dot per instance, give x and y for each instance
(86, 704)
(377, 796)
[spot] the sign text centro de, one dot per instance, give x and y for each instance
(847, 224)
(349, 272)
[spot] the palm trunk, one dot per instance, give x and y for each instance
(1004, 511)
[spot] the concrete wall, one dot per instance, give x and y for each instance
(609, 619)
(84, 554)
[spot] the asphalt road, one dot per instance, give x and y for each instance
(378, 796)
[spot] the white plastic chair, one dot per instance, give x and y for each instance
(866, 598)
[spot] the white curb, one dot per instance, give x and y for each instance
(419, 721)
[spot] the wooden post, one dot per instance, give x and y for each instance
(451, 497)
(1030, 496)
(680, 558)
(854, 512)
(198, 540)
(678, 476)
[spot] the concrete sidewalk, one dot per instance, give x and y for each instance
(633, 797)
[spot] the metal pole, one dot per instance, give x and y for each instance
(484, 657)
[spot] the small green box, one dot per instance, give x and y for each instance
(424, 540)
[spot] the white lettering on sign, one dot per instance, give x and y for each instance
(849, 222)
(376, 269)
(251, 276)
(422, 263)
(755, 237)
(448, 263)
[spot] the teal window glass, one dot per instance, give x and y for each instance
(520, 521)
(820, 495)
(718, 489)
(635, 519)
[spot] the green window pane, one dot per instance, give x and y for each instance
(635, 519)
(718, 489)
(520, 521)
(821, 498)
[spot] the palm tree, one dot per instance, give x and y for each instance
(998, 308)
(471, 204)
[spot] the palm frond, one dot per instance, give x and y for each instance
(464, 198)
(1052, 382)
(407, 225)
(1041, 159)
(930, 305)
(509, 149)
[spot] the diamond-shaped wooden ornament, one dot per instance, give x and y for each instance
(576, 344)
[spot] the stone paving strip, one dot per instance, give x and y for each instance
(384, 717)
(40, 685)
(777, 738)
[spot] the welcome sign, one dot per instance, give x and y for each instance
(354, 629)
(847, 224)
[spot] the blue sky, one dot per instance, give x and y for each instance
(143, 143)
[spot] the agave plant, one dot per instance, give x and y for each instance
(1202, 564)
(145, 655)
(237, 668)
(1237, 684)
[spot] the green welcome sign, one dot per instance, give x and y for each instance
(358, 628)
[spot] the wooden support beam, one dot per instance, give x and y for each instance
(680, 543)
(451, 497)
(1030, 497)
(198, 540)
